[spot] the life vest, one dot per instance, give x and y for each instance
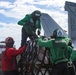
(8, 64)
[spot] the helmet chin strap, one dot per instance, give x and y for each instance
(9, 45)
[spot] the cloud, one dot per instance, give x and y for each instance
(5, 4)
(12, 30)
(19, 8)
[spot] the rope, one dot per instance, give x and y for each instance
(31, 56)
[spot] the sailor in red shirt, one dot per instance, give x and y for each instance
(9, 62)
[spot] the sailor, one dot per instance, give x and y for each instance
(31, 22)
(9, 62)
(73, 57)
(60, 51)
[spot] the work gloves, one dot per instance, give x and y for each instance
(69, 64)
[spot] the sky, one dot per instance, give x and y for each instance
(11, 11)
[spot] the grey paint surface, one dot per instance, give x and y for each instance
(49, 25)
(71, 8)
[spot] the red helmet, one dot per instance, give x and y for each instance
(9, 40)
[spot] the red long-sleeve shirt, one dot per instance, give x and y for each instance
(9, 61)
(11, 52)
